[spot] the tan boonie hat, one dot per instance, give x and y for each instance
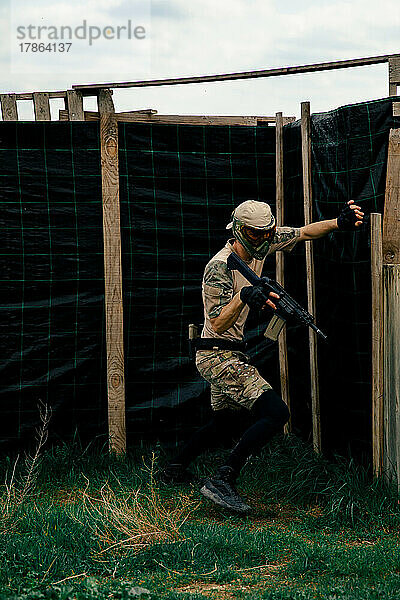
(253, 214)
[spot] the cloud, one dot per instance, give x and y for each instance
(206, 37)
(167, 9)
(38, 19)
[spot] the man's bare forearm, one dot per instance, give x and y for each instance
(228, 315)
(318, 229)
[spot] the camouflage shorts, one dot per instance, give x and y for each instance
(234, 383)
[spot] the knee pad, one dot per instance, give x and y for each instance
(271, 406)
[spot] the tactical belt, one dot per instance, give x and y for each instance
(218, 344)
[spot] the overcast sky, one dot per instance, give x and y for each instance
(195, 37)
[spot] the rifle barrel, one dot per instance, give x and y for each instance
(318, 331)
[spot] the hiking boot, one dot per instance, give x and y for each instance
(174, 473)
(221, 490)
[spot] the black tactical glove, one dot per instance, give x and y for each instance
(347, 219)
(254, 296)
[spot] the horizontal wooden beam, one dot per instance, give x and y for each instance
(178, 119)
(150, 116)
(325, 66)
(29, 95)
(267, 120)
(287, 120)
(89, 115)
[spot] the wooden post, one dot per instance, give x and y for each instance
(280, 262)
(307, 191)
(9, 107)
(391, 309)
(112, 273)
(105, 102)
(74, 105)
(377, 343)
(41, 105)
(394, 75)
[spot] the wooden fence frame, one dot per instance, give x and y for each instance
(385, 366)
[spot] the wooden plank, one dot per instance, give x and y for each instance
(41, 106)
(325, 66)
(307, 190)
(394, 70)
(391, 371)
(63, 115)
(112, 274)
(265, 120)
(392, 89)
(105, 102)
(75, 105)
(391, 308)
(9, 107)
(391, 215)
(396, 109)
(29, 95)
(280, 264)
(189, 119)
(377, 343)
(150, 117)
(271, 120)
(94, 116)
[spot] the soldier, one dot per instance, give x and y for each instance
(240, 397)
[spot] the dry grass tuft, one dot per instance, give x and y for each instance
(123, 521)
(18, 490)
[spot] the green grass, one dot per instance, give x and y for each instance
(93, 526)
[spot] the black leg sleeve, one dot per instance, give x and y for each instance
(223, 427)
(270, 413)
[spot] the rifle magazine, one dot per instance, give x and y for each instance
(274, 327)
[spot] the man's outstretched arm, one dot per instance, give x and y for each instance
(319, 229)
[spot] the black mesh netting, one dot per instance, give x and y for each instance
(52, 287)
(178, 186)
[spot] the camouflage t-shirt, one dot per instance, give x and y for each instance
(220, 284)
